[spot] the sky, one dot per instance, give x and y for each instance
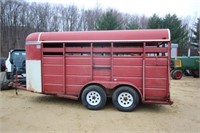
(182, 8)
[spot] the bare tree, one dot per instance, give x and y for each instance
(20, 18)
(89, 18)
(54, 18)
(10, 22)
(143, 22)
(69, 19)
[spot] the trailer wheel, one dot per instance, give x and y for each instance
(94, 97)
(125, 99)
(195, 73)
(177, 74)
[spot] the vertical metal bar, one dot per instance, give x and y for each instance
(64, 69)
(91, 63)
(168, 67)
(16, 82)
(143, 71)
(111, 62)
(42, 76)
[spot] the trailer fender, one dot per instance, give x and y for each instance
(111, 86)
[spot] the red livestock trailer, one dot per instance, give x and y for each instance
(130, 66)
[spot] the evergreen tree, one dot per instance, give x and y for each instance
(179, 32)
(155, 22)
(108, 21)
(195, 39)
(133, 25)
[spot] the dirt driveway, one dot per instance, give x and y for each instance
(35, 113)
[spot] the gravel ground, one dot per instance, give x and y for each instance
(36, 113)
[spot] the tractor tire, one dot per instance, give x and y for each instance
(195, 73)
(187, 72)
(171, 72)
(177, 74)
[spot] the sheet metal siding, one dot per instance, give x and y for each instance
(33, 75)
(33, 51)
(78, 73)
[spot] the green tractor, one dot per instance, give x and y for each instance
(188, 65)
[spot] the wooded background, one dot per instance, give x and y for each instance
(20, 18)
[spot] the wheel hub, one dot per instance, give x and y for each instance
(93, 98)
(125, 99)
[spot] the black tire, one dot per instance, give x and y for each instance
(171, 72)
(195, 73)
(4, 86)
(125, 99)
(94, 97)
(177, 74)
(187, 72)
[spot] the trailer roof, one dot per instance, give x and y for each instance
(101, 36)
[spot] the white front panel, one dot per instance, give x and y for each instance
(33, 75)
